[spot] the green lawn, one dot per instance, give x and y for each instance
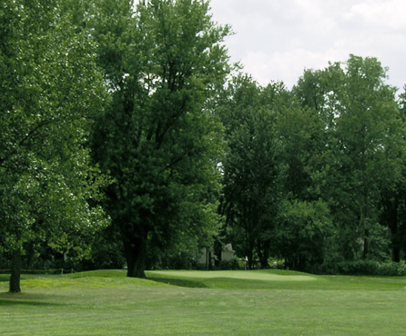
(204, 303)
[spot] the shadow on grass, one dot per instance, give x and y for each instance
(8, 302)
(220, 282)
(230, 283)
(14, 299)
(179, 282)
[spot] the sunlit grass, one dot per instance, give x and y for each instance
(203, 303)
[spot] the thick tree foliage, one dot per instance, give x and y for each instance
(314, 175)
(270, 204)
(362, 155)
(158, 139)
(50, 86)
(250, 168)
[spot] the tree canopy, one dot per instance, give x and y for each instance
(50, 88)
(134, 112)
(158, 138)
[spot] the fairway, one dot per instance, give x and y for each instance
(204, 303)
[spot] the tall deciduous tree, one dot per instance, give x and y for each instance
(393, 198)
(369, 140)
(304, 223)
(251, 194)
(50, 86)
(363, 148)
(158, 139)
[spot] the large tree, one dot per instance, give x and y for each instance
(369, 139)
(304, 223)
(271, 175)
(251, 192)
(393, 197)
(363, 149)
(50, 87)
(158, 138)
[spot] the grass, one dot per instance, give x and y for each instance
(204, 303)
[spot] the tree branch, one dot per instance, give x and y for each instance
(31, 133)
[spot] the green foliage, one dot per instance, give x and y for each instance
(50, 88)
(158, 138)
(314, 175)
(250, 168)
(359, 160)
(332, 187)
(106, 252)
(301, 233)
(370, 267)
(273, 175)
(228, 265)
(369, 136)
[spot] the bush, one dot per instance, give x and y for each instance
(228, 265)
(276, 263)
(370, 267)
(392, 269)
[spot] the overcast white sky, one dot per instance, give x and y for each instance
(278, 39)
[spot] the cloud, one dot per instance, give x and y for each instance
(288, 66)
(378, 15)
(277, 40)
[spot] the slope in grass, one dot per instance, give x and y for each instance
(246, 275)
(229, 279)
(261, 279)
(274, 279)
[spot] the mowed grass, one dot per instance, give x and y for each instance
(204, 303)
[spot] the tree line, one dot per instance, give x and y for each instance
(128, 136)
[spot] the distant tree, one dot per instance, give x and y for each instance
(369, 139)
(251, 194)
(363, 149)
(304, 223)
(392, 204)
(302, 232)
(402, 103)
(158, 138)
(393, 199)
(50, 87)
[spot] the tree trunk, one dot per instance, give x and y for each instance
(396, 254)
(209, 265)
(15, 273)
(263, 254)
(396, 243)
(396, 237)
(135, 253)
(250, 257)
(365, 251)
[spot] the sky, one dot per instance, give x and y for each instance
(276, 40)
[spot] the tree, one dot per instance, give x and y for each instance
(369, 139)
(362, 152)
(303, 228)
(251, 194)
(50, 87)
(158, 138)
(303, 223)
(392, 205)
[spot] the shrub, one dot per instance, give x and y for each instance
(229, 265)
(370, 267)
(276, 263)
